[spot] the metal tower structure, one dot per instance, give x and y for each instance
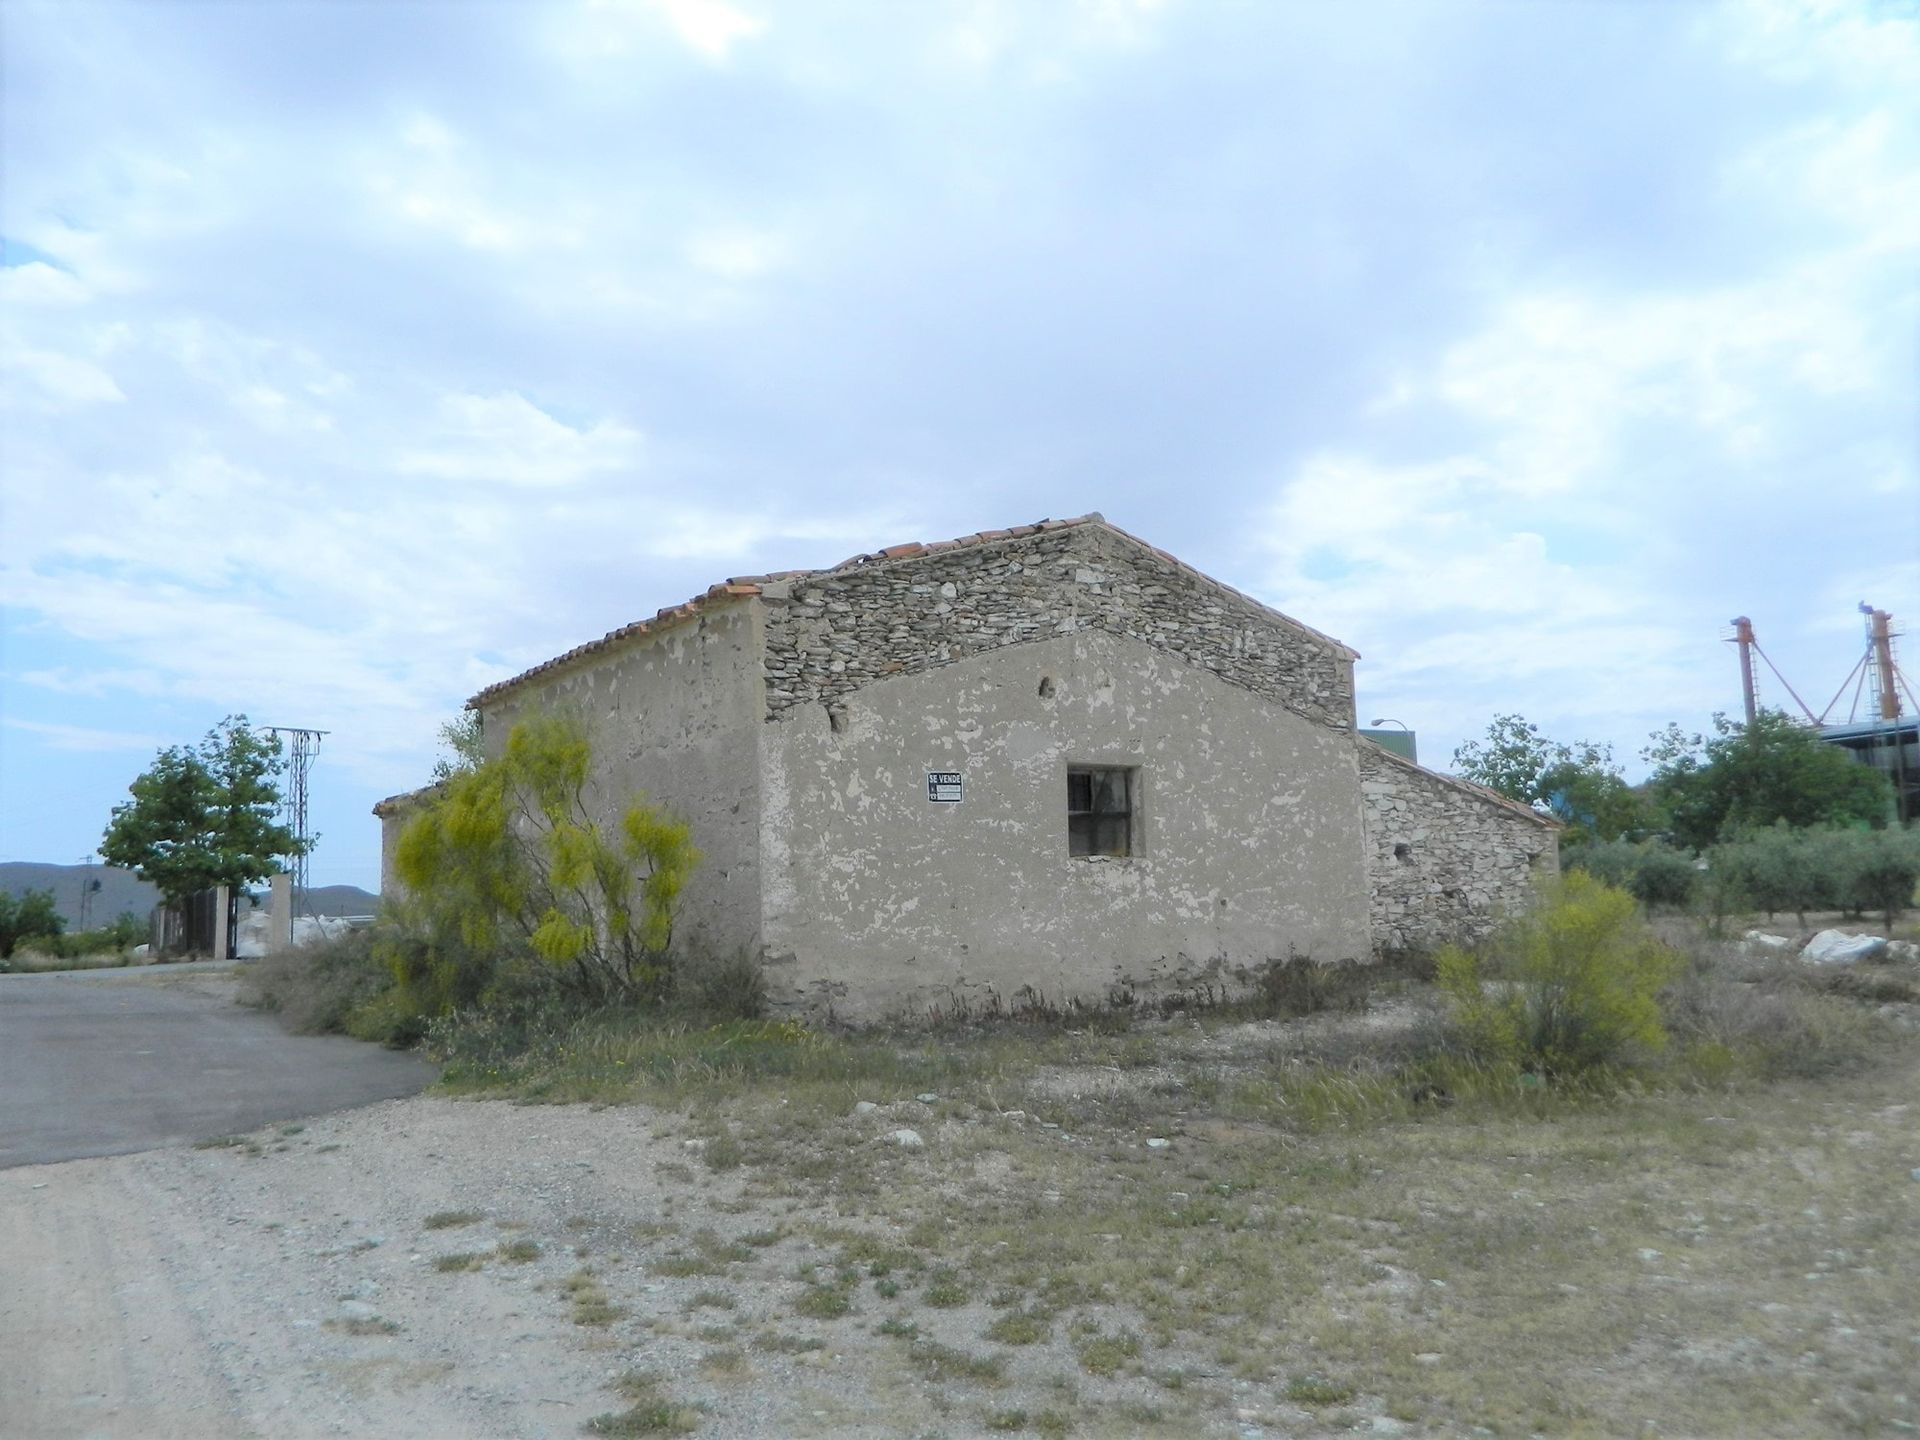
(1888, 737)
(299, 762)
(1749, 647)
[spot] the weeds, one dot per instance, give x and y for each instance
(451, 1219)
(935, 1361)
(824, 1302)
(1317, 1390)
(1020, 1327)
(590, 1305)
(944, 1290)
(650, 1414)
(1107, 1354)
(318, 988)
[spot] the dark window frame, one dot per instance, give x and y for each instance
(1103, 810)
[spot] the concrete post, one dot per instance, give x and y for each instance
(280, 914)
(219, 923)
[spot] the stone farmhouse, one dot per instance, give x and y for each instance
(1046, 761)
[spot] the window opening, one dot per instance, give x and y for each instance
(1099, 811)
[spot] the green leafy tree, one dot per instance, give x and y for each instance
(508, 863)
(464, 746)
(1773, 770)
(1510, 760)
(205, 815)
(1580, 784)
(30, 917)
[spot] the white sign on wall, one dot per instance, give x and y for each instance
(945, 787)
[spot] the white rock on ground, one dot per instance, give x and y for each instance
(905, 1139)
(1838, 947)
(1903, 950)
(1761, 940)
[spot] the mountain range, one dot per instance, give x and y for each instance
(121, 890)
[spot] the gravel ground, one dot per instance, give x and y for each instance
(288, 1286)
(218, 1292)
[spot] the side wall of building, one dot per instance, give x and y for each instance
(676, 718)
(878, 900)
(827, 635)
(1445, 861)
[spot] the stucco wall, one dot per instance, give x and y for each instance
(676, 717)
(877, 901)
(1445, 861)
(394, 812)
(829, 634)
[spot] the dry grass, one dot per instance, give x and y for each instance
(1348, 1223)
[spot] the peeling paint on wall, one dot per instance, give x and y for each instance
(795, 720)
(1250, 845)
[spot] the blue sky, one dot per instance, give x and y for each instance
(353, 357)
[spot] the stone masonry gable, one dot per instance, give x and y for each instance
(1445, 858)
(915, 608)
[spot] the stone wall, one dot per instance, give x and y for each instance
(1445, 859)
(831, 633)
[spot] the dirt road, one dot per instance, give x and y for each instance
(291, 1292)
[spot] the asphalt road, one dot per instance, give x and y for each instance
(93, 1065)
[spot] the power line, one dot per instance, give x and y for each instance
(299, 762)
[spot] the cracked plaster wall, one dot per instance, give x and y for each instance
(1444, 863)
(675, 717)
(879, 901)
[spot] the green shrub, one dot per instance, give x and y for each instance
(1655, 874)
(1576, 983)
(1824, 868)
(1879, 870)
(316, 989)
(32, 916)
(731, 989)
(512, 882)
(1296, 987)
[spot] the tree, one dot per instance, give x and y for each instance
(508, 863)
(204, 816)
(30, 917)
(1579, 784)
(1511, 760)
(465, 748)
(1769, 771)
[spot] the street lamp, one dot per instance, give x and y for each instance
(1401, 723)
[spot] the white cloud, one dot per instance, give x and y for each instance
(736, 254)
(710, 27)
(507, 439)
(38, 283)
(53, 381)
(96, 684)
(612, 28)
(82, 738)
